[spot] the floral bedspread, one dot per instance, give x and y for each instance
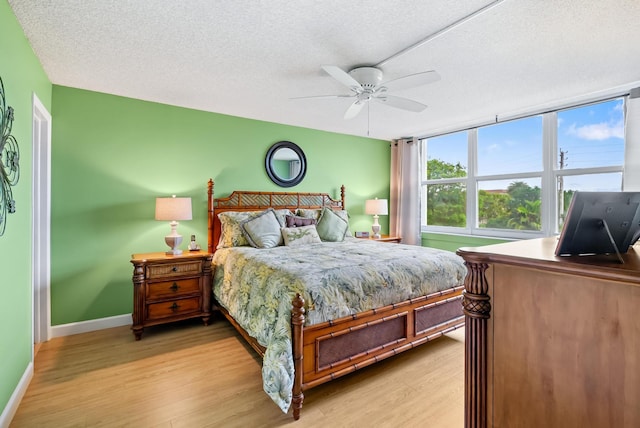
(336, 279)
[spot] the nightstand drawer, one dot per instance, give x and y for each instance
(178, 287)
(173, 308)
(164, 270)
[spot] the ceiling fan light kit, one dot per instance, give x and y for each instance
(368, 77)
(366, 84)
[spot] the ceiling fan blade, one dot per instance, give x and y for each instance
(353, 110)
(401, 103)
(342, 76)
(411, 81)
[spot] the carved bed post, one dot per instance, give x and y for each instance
(210, 216)
(138, 300)
(342, 197)
(297, 323)
(477, 310)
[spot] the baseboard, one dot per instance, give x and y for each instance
(14, 401)
(91, 325)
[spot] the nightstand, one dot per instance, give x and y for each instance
(385, 238)
(169, 288)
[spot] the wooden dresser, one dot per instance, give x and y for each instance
(170, 288)
(551, 341)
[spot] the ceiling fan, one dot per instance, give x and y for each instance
(366, 85)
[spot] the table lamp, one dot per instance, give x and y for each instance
(173, 209)
(376, 207)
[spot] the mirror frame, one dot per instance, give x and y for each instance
(269, 167)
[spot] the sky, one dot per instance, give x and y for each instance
(589, 136)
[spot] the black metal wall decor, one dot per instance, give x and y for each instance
(9, 161)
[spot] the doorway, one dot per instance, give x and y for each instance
(41, 218)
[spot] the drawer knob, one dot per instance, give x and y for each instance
(174, 287)
(174, 307)
(174, 269)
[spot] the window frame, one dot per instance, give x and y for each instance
(548, 178)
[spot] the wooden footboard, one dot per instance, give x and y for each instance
(332, 349)
(326, 351)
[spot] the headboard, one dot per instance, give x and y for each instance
(256, 201)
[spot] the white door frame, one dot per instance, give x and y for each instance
(41, 222)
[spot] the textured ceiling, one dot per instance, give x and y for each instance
(248, 58)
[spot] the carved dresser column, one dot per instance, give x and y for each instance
(477, 309)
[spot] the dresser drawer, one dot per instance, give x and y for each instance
(165, 270)
(177, 287)
(173, 308)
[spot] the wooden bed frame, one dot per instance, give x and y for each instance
(323, 352)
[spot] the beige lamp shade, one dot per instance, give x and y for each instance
(376, 206)
(170, 209)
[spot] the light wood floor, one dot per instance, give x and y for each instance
(188, 375)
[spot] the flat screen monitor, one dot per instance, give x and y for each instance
(600, 223)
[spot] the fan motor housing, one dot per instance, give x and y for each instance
(368, 77)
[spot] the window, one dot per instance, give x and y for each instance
(509, 175)
(445, 168)
(590, 151)
(497, 180)
(510, 147)
(509, 204)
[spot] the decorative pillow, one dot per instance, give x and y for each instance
(315, 213)
(230, 231)
(345, 216)
(309, 213)
(331, 226)
(262, 231)
(295, 221)
(301, 235)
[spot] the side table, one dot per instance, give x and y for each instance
(169, 288)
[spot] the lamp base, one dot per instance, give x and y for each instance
(173, 241)
(375, 227)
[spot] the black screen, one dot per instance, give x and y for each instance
(589, 216)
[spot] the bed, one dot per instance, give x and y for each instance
(308, 343)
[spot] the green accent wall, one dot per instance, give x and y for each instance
(22, 76)
(453, 242)
(112, 156)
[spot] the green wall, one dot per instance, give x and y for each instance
(22, 75)
(112, 156)
(453, 242)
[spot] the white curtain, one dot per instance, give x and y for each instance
(631, 179)
(404, 198)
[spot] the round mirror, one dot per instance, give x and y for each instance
(285, 164)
